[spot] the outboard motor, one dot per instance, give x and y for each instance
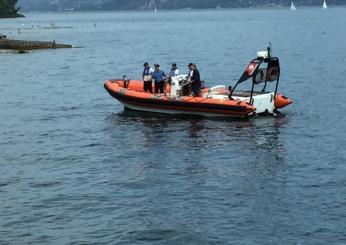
(177, 85)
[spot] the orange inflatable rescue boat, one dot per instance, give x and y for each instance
(215, 101)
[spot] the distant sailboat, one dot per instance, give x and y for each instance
(324, 6)
(292, 6)
(155, 10)
(218, 6)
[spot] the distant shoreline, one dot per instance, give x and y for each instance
(165, 8)
(183, 9)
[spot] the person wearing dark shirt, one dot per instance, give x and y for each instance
(159, 79)
(195, 79)
(147, 78)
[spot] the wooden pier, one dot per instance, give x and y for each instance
(29, 45)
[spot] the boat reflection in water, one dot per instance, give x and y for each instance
(249, 137)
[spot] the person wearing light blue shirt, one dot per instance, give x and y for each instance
(159, 79)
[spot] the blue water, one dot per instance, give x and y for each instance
(77, 169)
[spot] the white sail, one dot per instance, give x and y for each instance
(218, 6)
(293, 7)
(155, 10)
(324, 5)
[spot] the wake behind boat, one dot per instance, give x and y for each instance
(215, 101)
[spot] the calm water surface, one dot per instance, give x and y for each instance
(77, 169)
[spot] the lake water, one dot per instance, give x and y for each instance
(76, 169)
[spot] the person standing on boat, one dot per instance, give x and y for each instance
(174, 70)
(190, 74)
(173, 73)
(195, 79)
(159, 79)
(148, 77)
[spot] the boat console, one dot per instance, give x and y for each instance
(179, 86)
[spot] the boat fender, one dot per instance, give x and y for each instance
(123, 91)
(281, 101)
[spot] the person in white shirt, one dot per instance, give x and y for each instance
(174, 71)
(148, 78)
(190, 74)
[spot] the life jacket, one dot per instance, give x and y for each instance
(146, 71)
(147, 75)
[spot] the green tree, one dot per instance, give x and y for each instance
(9, 9)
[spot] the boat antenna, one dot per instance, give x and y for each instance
(269, 48)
